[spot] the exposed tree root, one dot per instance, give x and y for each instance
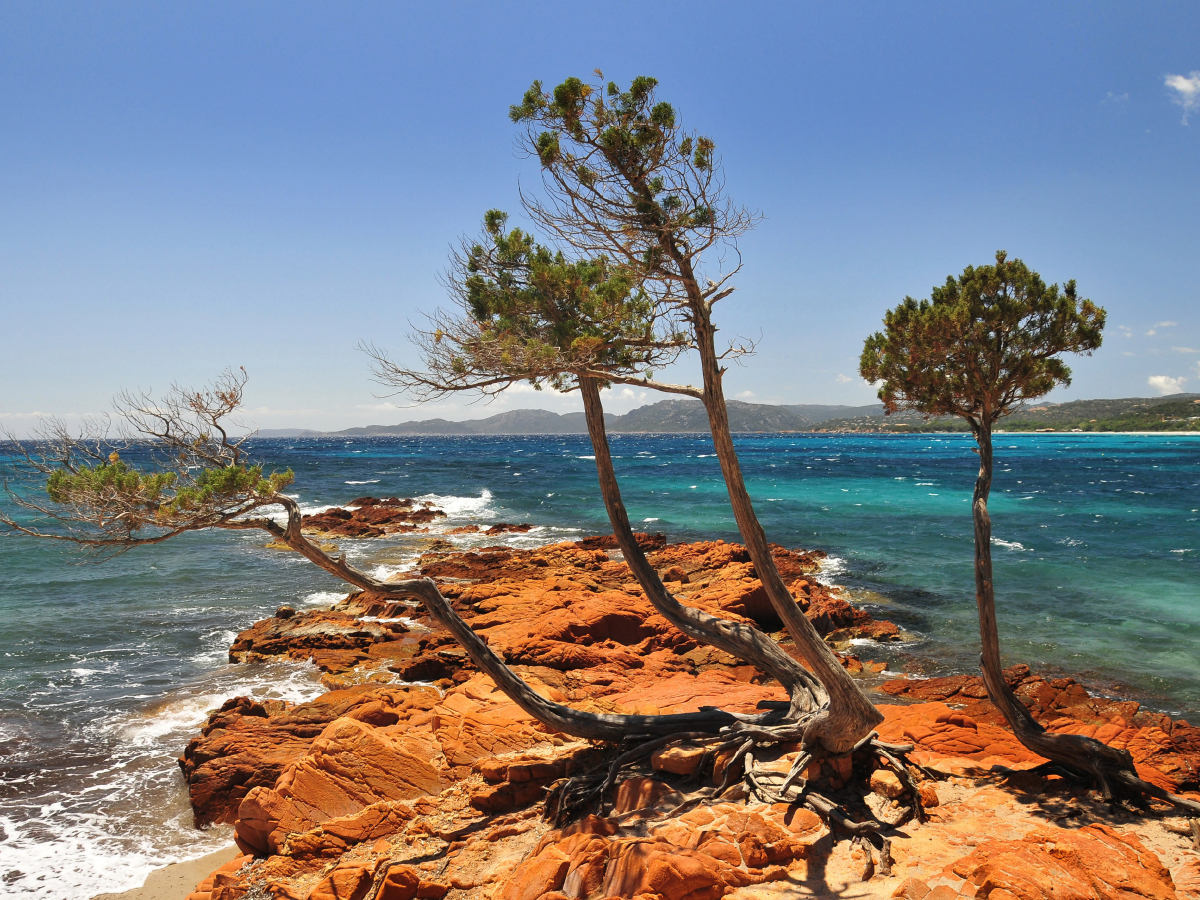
(1109, 770)
(743, 745)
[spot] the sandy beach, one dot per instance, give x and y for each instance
(176, 881)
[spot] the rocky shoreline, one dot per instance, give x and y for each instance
(413, 776)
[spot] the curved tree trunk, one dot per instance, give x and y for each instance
(1109, 766)
(743, 641)
(590, 726)
(851, 715)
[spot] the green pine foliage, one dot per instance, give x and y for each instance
(161, 498)
(594, 134)
(537, 315)
(982, 344)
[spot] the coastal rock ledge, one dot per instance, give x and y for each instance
(414, 777)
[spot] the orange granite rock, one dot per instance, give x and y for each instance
(349, 767)
(1165, 752)
(1093, 863)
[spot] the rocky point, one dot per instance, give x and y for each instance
(414, 777)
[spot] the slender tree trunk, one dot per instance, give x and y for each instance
(985, 594)
(851, 715)
(590, 726)
(743, 641)
(1108, 766)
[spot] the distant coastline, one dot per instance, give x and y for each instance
(1177, 413)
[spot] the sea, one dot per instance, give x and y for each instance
(108, 668)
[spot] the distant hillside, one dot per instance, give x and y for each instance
(687, 415)
(288, 432)
(517, 421)
(668, 416)
(1178, 412)
(818, 413)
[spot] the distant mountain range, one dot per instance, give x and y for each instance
(1179, 412)
(682, 415)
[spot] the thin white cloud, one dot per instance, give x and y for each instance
(1186, 92)
(628, 393)
(1185, 350)
(271, 411)
(1157, 325)
(745, 395)
(39, 415)
(843, 379)
(1165, 384)
(376, 407)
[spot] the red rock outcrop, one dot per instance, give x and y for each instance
(1094, 862)
(372, 517)
(394, 791)
(247, 744)
(314, 635)
(1166, 752)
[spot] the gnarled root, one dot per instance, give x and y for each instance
(739, 752)
(1110, 770)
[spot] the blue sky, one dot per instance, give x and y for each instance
(185, 187)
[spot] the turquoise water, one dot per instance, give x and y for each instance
(105, 670)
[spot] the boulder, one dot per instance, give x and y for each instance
(349, 767)
(246, 744)
(1093, 863)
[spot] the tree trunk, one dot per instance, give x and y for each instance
(743, 641)
(851, 715)
(1107, 765)
(589, 726)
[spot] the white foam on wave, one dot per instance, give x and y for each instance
(830, 568)
(538, 536)
(463, 507)
(1009, 545)
(368, 481)
(49, 859)
(184, 712)
(216, 647)
(321, 598)
(109, 830)
(279, 515)
(388, 572)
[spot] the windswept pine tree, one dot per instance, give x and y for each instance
(983, 344)
(527, 314)
(636, 205)
(197, 475)
(622, 177)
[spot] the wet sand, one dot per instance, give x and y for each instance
(176, 881)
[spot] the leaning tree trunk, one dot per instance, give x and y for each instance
(743, 641)
(589, 726)
(1112, 769)
(850, 716)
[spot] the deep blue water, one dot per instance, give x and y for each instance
(105, 670)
